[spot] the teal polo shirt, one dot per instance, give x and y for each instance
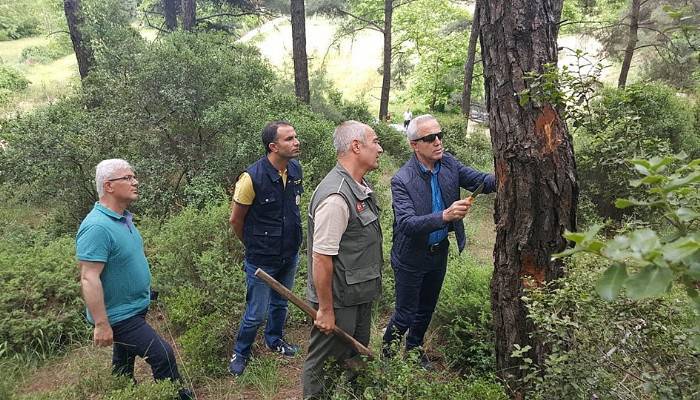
(108, 237)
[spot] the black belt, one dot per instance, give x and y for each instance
(438, 247)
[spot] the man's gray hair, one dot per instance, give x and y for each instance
(412, 130)
(346, 132)
(105, 170)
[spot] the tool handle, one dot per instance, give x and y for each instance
(310, 311)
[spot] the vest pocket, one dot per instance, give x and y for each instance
(353, 276)
(268, 239)
(362, 285)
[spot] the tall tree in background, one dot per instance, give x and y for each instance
(83, 51)
(631, 42)
(189, 14)
(386, 61)
(170, 11)
(301, 68)
(534, 162)
(469, 65)
(371, 14)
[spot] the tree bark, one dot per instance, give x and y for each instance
(469, 66)
(189, 14)
(301, 67)
(82, 48)
(170, 9)
(631, 43)
(386, 75)
(537, 189)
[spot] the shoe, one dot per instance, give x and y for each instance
(284, 348)
(421, 358)
(237, 365)
(185, 394)
(389, 349)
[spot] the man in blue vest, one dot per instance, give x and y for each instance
(265, 217)
(427, 205)
(115, 278)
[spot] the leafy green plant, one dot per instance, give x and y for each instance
(46, 53)
(400, 378)
(607, 349)
(11, 79)
(646, 262)
(463, 316)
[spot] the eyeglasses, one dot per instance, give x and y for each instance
(430, 138)
(129, 178)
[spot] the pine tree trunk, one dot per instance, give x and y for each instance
(386, 76)
(83, 51)
(189, 14)
(301, 68)
(534, 162)
(469, 65)
(631, 43)
(170, 9)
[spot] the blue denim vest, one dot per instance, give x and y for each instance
(272, 228)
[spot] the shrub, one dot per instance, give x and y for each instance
(639, 121)
(39, 294)
(620, 349)
(176, 113)
(463, 316)
(46, 53)
(399, 378)
(12, 79)
(472, 149)
(196, 267)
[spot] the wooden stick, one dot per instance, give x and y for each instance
(310, 311)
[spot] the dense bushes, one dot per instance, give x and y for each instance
(11, 81)
(639, 121)
(187, 113)
(39, 296)
(399, 378)
(619, 349)
(46, 53)
(463, 316)
(20, 19)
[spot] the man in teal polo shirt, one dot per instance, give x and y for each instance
(115, 277)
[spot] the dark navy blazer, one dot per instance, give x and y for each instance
(412, 203)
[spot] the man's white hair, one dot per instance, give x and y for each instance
(412, 130)
(105, 170)
(346, 132)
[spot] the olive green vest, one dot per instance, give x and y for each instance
(357, 268)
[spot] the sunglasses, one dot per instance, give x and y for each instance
(430, 138)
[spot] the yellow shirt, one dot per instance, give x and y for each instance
(244, 192)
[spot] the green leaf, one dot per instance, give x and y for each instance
(611, 282)
(618, 248)
(651, 281)
(681, 182)
(686, 214)
(624, 203)
(576, 237)
(675, 252)
(644, 241)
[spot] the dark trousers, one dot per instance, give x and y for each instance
(356, 321)
(134, 337)
(417, 292)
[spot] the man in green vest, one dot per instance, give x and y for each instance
(345, 254)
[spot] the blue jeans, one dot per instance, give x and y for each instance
(262, 302)
(134, 337)
(417, 292)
